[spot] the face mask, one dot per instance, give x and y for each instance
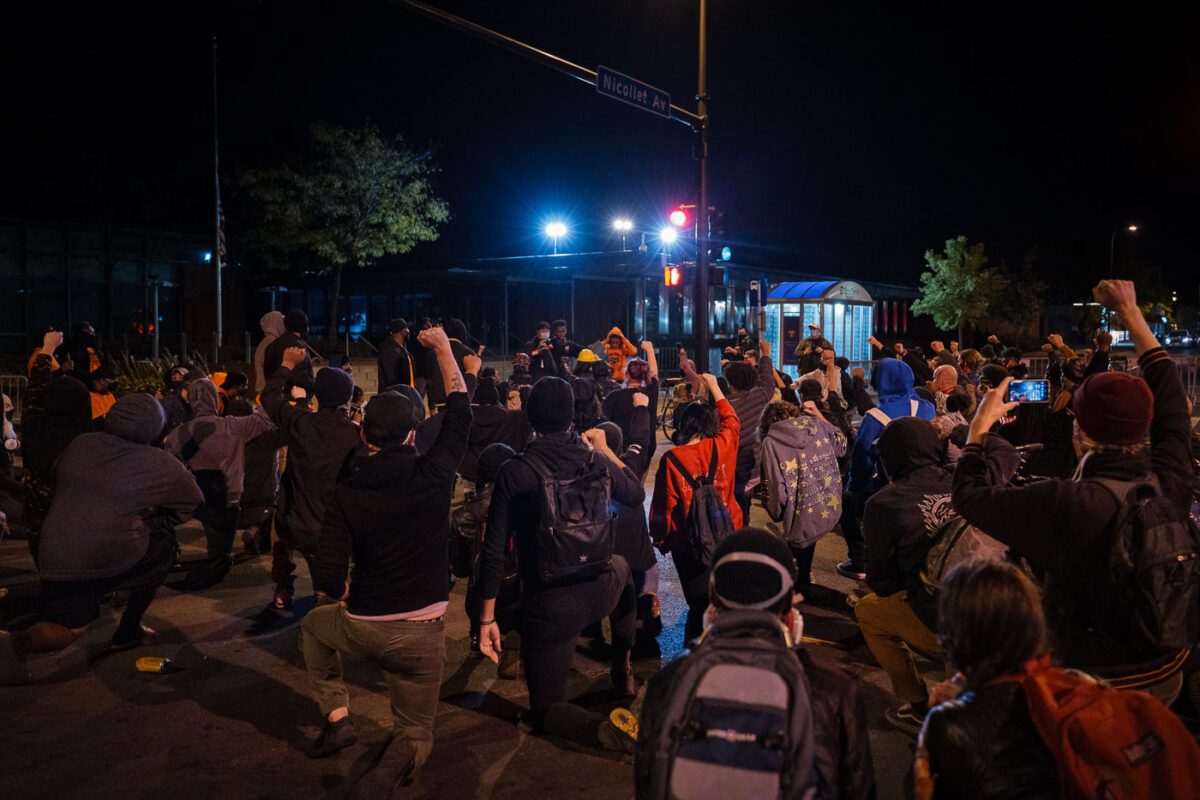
(543, 335)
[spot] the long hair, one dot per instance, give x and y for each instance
(990, 621)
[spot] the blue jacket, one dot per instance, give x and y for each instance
(894, 383)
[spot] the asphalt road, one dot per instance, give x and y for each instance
(230, 723)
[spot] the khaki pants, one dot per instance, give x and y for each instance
(893, 632)
(411, 655)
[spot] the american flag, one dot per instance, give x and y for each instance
(220, 229)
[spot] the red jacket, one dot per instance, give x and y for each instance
(673, 495)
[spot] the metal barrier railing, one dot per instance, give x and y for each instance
(12, 385)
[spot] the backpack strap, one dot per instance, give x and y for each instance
(1120, 490)
(879, 416)
(712, 465)
(687, 476)
(913, 405)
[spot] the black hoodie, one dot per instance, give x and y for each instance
(915, 502)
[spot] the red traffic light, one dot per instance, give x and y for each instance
(671, 276)
(680, 217)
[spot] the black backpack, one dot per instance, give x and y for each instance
(574, 536)
(1154, 565)
(708, 519)
(736, 718)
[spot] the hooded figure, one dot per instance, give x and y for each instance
(54, 411)
(894, 382)
(213, 447)
(295, 324)
(618, 350)
(109, 488)
(272, 328)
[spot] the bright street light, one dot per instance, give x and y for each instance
(668, 235)
(554, 230)
(622, 225)
(1112, 243)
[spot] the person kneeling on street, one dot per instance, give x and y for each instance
(564, 590)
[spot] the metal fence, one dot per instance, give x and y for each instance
(13, 385)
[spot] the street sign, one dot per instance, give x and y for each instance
(632, 91)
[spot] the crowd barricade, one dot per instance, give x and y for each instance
(13, 385)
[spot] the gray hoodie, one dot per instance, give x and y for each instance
(110, 488)
(214, 447)
(800, 469)
(272, 328)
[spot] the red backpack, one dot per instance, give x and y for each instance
(1109, 744)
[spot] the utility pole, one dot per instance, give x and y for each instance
(216, 202)
(702, 216)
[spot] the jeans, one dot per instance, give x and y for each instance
(893, 630)
(804, 562)
(220, 527)
(851, 522)
(693, 579)
(552, 619)
(412, 656)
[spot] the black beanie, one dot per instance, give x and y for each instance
(488, 466)
(752, 582)
(551, 405)
(388, 419)
(296, 321)
(333, 387)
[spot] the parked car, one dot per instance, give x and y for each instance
(1179, 339)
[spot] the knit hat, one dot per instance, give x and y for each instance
(296, 321)
(388, 419)
(1114, 408)
(488, 466)
(751, 569)
(551, 405)
(486, 394)
(333, 387)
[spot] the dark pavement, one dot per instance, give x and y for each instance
(229, 724)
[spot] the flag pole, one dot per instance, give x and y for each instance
(217, 244)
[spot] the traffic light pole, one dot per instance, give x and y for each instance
(702, 217)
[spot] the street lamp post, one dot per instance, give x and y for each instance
(1112, 243)
(623, 226)
(555, 230)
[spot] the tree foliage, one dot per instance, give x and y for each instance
(352, 198)
(958, 286)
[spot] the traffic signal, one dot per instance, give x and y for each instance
(718, 244)
(672, 276)
(681, 216)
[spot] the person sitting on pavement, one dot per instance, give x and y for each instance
(555, 611)
(111, 526)
(391, 520)
(842, 763)
(698, 428)
(1064, 526)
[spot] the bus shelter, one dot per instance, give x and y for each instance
(843, 309)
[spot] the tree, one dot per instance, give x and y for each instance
(354, 198)
(958, 286)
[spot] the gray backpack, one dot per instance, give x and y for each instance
(736, 722)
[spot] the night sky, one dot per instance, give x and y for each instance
(846, 138)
